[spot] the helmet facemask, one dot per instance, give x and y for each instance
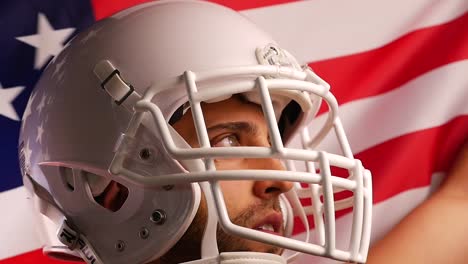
(309, 169)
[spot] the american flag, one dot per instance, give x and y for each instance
(399, 70)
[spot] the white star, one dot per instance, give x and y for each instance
(40, 131)
(27, 111)
(41, 104)
(90, 35)
(27, 155)
(50, 100)
(7, 96)
(49, 42)
(45, 155)
(58, 71)
(60, 77)
(58, 66)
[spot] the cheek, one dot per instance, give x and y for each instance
(237, 196)
(231, 164)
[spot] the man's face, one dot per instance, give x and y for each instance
(252, 204)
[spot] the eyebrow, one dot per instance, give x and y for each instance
(246, 127)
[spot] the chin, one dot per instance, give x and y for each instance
(264, 248)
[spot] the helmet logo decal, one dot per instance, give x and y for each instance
(273, 55)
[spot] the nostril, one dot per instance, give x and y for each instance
(272, 190)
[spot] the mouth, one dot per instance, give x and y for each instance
(270, 224)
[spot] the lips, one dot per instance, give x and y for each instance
(270, 224)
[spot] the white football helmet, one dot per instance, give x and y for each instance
(102, 111)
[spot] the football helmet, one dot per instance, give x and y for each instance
(103, 111)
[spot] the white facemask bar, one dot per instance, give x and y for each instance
(297, 80)
(316, 191)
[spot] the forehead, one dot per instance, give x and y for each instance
(234, 109)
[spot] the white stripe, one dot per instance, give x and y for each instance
(428, 101)
(385, 216)
(18, 229)
(321, 29)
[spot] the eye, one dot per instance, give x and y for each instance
(226, 141)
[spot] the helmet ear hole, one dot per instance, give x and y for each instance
(113, 197)
(107, 193)
(67, 178)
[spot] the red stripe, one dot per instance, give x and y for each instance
(380, 70)
(105, 8)
(408, 161)
(249, 4)
(33, 257)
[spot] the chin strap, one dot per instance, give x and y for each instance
(74, 241)
(241, 258)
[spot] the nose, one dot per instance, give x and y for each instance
(268, 189)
